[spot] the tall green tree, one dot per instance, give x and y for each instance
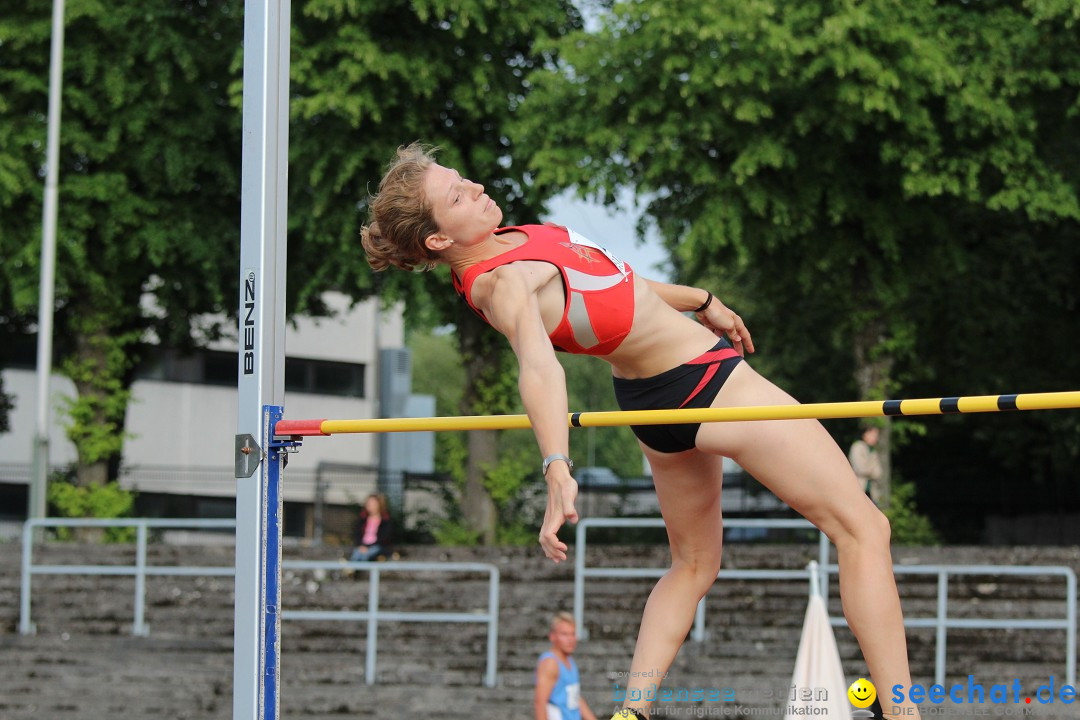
(149, 187)
(449, 74)
(151, 158)
(831, 167)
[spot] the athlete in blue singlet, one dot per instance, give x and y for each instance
(558, 686)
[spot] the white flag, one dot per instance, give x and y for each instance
(818, 680)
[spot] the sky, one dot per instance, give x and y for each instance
(613, 229)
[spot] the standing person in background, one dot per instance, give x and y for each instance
(867, 463)
(374, 530)
(558, 686)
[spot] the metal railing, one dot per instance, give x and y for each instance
(374, 613)
(941, 622)
(139, 570)
(818, 573)
(581, 571)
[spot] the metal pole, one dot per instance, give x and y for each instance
(698, 633)
(261, 329)
(39, 469)
(372, 626)
(579, 580)
(1070, 622)
(320, 500)
(812, 571)
(140, 627)
(823, 566)
(270, 602)
(26, 625)
(493, 627)
(942, 613)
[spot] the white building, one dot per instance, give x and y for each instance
(181, 423)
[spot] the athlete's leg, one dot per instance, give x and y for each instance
(688, 487)
(799, 461)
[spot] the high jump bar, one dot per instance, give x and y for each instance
(820, 411)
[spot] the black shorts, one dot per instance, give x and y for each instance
(692, 385)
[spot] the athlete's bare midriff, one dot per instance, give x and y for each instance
(661, 337)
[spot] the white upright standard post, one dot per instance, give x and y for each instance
(262, 347)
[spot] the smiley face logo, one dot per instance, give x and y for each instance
(862, 693)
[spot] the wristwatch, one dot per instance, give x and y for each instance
(553, 458)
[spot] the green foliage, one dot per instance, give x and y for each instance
(909, 526)
(452, 532)
(910, 169)
(437, 371)
(450, 74)
(149, 185)
(517, 533)
(820, 147)
(512, 480)
(889, 193)
(589, 388)
(96, 414)
(515, 488)
(505, 479)
(150, 161)
(68, 500)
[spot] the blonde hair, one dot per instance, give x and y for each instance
(561, 617)
(401, 218)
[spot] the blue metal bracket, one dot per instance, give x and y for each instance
(270, 600)
(282, 445)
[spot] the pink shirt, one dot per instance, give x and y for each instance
(371, 530)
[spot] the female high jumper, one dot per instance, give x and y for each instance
(548, 289)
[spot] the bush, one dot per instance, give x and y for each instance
(68, 500)
(909, 526)
(454, 533)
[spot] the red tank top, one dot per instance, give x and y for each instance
(599, 287)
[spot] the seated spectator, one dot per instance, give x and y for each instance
(374, 530)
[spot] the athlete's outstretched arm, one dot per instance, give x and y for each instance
(512, 306)
(681, 297)
(710, 312)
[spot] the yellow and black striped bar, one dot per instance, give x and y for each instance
(821, 411)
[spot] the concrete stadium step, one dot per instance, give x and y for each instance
(84, 663)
